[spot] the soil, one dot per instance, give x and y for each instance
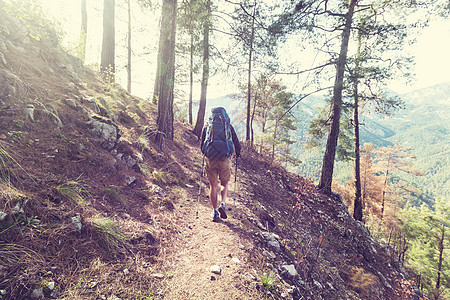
(165, 243)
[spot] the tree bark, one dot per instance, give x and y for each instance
(441, 252)
(166, 73)
(385, 187)
(249, 79)
(107, 65)
(204, 87)
(129, 48)
(326, 177)
(83, 33)
(252, 118)
(357, 207)
(191, 79)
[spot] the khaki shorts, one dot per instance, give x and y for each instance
(218, 168)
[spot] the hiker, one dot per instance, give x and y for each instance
(218, 143)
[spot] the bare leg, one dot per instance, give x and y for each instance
(224, 191)
(213, 186)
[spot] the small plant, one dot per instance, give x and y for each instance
(114, 194)
(20, 123)
(74, 190)
(25, 222)
(147, 297)
(5, 166)
(61, 137)
(14, 136)
(82, 286)
(110, 235)
(143, 139)
(268, 280)
(161, 177)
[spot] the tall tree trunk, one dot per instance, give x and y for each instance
(385, 186)
(249, 79)
(326, 177)
(83, 33)
(107, 65)
(274, 139)
(166, 74)
(129, 48)
(204, 87)
(357, 207)
(441, 252)
(252, 118)
(191, 78)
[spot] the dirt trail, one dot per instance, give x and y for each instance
(201, 245)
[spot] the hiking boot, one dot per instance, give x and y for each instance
(222, 212)
(215, 216)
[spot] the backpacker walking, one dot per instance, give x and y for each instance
(218, 143)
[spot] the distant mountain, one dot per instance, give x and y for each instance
(423, 125)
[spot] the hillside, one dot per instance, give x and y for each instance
(424, 125)
(90, 209)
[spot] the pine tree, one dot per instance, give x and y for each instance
(427, 230)
(165, 75)
(83, 32)
(107, 65)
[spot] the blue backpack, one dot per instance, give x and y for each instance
(218, 144)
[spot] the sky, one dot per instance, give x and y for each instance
(432, 58)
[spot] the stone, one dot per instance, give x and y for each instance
(71, 103)
(2, 58)
(37, 294)
(272, 240)
(269, 254)
(3, 215)
(20, 205)
(274, 244)
(126, 272)
(318, 285)
(29, 111)
(157, 275)
(93, 104)
(216, 269)
(236, 260)
(106, 132)
(51, 285)
(76, 221)
(130, 181)
(157, 189)
(290, 270)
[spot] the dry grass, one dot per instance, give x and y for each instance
(359, 280)
(74, 190)
(110, 235)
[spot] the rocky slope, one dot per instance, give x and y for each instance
(90, 209)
